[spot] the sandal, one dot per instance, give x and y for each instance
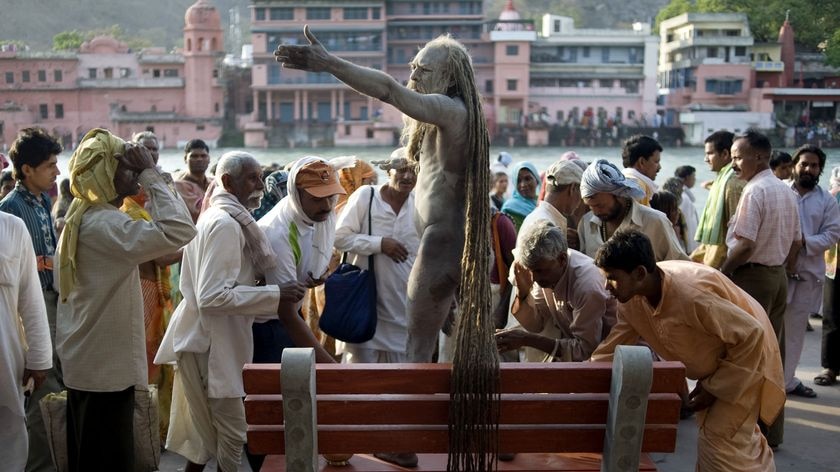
(802, 391)
(827, 377)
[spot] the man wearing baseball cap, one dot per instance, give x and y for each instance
(562, 197)
(301, 230)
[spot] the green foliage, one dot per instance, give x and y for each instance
(674, 8)
(812, 22)
(21, 45)
(71, 40)
(832, 49)
(68, 40)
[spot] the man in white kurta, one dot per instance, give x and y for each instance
(301, 231)
(692, 313)
(209, 336)
(393, 243)
(25, 346)
(819, 218)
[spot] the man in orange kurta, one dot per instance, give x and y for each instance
(692, 313)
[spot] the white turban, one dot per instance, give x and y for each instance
(602, 176)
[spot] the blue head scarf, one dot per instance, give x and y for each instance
(519, 204)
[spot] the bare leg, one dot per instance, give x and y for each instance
(431, 286)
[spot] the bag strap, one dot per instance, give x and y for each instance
(370, 207)
(370, 227)
(497, 249)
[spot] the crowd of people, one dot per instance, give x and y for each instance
(136, 277)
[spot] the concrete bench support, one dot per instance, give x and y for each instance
(632, 376)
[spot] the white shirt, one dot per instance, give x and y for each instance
(24, 332)
(543, 211)
(654, 224)
(292, 241)
(689, 212)
(100, 332)
(219, 305)
(391, 277)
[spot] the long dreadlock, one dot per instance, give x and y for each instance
(474, 393)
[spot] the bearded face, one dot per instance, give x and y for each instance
(428, 71)
(807, 171)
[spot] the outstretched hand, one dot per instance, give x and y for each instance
(312, 57)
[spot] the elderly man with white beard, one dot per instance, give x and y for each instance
(209, 336)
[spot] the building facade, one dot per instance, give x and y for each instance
(531, 79)
(104, 84)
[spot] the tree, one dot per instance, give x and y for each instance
(675, 8)
(832, 50)
(71, 40)
(68, 40)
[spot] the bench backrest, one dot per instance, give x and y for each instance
(553, 407)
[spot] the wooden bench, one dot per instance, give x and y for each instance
(555, 416)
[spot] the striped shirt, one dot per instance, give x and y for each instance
(36, 215)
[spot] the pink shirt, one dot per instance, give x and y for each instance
(767, 215)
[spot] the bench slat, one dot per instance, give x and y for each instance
(264, 439)
(531, 462)
(571, 377)
(434, 409)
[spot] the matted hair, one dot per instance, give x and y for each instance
(626, 250)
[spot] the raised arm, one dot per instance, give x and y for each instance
(436, 109)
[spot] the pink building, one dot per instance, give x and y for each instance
(104, 84)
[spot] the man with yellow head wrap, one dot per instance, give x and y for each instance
(100, 331)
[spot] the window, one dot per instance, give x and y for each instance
(512, 50)
(91, 73)
(740, 51)
(586, 51)
(724, 87)
(557, 26)
(10, 77)
(259, 14)
(318, 13)
(125, 72)
(44, 110)
(42, 76)
(355, 13)
(732, 32)
(156, 73)
(199, 127)
(109, 72)
(281, 13)
(511, 85)
(605, 54)
(375, 13)
(170, 72)
(711, 52)
(58, 76)
(488, 86)
(59, 110)
(24, 76)
(630, 86)
(216, 107)
(605, 83)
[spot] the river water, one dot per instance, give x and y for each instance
(541, 157)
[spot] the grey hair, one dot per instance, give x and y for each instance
(232, 163)
(539, 242)
(144, 135)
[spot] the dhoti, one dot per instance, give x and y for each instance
(201, 428)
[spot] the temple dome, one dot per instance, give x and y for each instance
(202, 14)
